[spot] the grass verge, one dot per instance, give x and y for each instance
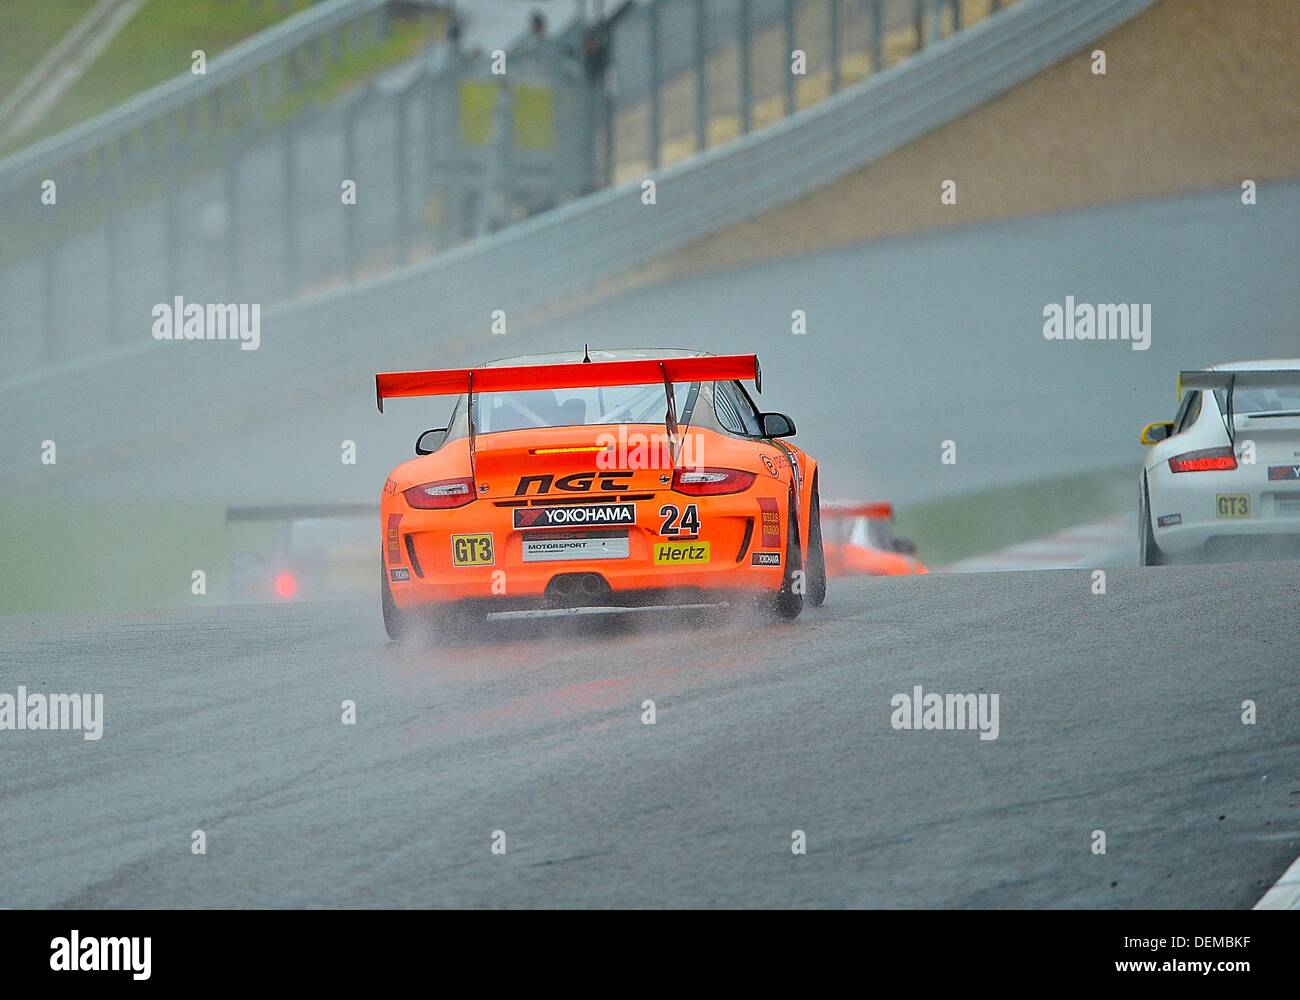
(972, 524)
(28, 30)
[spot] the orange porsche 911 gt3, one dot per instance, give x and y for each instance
(609, 479)
(860, 541)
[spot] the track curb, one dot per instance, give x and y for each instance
(1285, 894)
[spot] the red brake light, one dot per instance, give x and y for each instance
(442, 495)
(1206, 460)
(711, 482)
(285, 585)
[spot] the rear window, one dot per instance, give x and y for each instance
(1283, 399)
(873, 533)
(582, 407)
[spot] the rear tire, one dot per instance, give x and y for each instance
(816, 553)
(787, 603)
(396, 621)
(1149, 553)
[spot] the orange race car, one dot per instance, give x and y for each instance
(611, 479)
(860, 541)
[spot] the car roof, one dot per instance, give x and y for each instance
(573, 357)
(1258, 366)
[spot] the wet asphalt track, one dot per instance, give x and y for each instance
(1117, 712)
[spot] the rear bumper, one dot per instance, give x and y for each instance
(1191, 501)
(857, 560)
(1188, 539)
(420, 560)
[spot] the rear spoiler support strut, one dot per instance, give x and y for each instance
(670, 416)
(1232, 424)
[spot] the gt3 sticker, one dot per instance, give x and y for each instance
(552, 517)
(681, 552)
(472, 550)
(1232, 505)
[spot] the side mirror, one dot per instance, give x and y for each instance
(1157, 431)
(776, 425)
(905, 545)
(430, 441)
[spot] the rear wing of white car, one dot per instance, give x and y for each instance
(1232, 380)
(1264, 378)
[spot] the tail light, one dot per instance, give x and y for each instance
(711, 482)
(442, 495)
(1206, 460)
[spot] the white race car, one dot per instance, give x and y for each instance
(1222, 478)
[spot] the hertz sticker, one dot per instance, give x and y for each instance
(471, 550)
(682, 552)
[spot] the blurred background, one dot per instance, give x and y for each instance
(879, 197)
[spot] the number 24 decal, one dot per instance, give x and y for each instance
(686, 522)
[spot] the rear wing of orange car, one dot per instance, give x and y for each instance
(875, 511)
(578, 375)
(575, 375)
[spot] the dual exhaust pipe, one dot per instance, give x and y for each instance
(570, 586)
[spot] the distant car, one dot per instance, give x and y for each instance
(610, 479)
(1223, 477)
(301, 552)
(859, 540)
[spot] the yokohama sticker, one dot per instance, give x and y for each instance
(557, 517)
(766, 559)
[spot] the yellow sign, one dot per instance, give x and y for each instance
(681, 552)
(534, 119)
(477, 101)
(1232, 504)
(472, 550)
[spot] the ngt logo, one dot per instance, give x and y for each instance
(578, 482)
(93, 954)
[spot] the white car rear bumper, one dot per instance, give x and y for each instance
(1190, 504)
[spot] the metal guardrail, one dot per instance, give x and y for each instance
(735, 58)
(214, 187)
(248, 206)
(554, 255)
(186, 89)
(332, 343)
